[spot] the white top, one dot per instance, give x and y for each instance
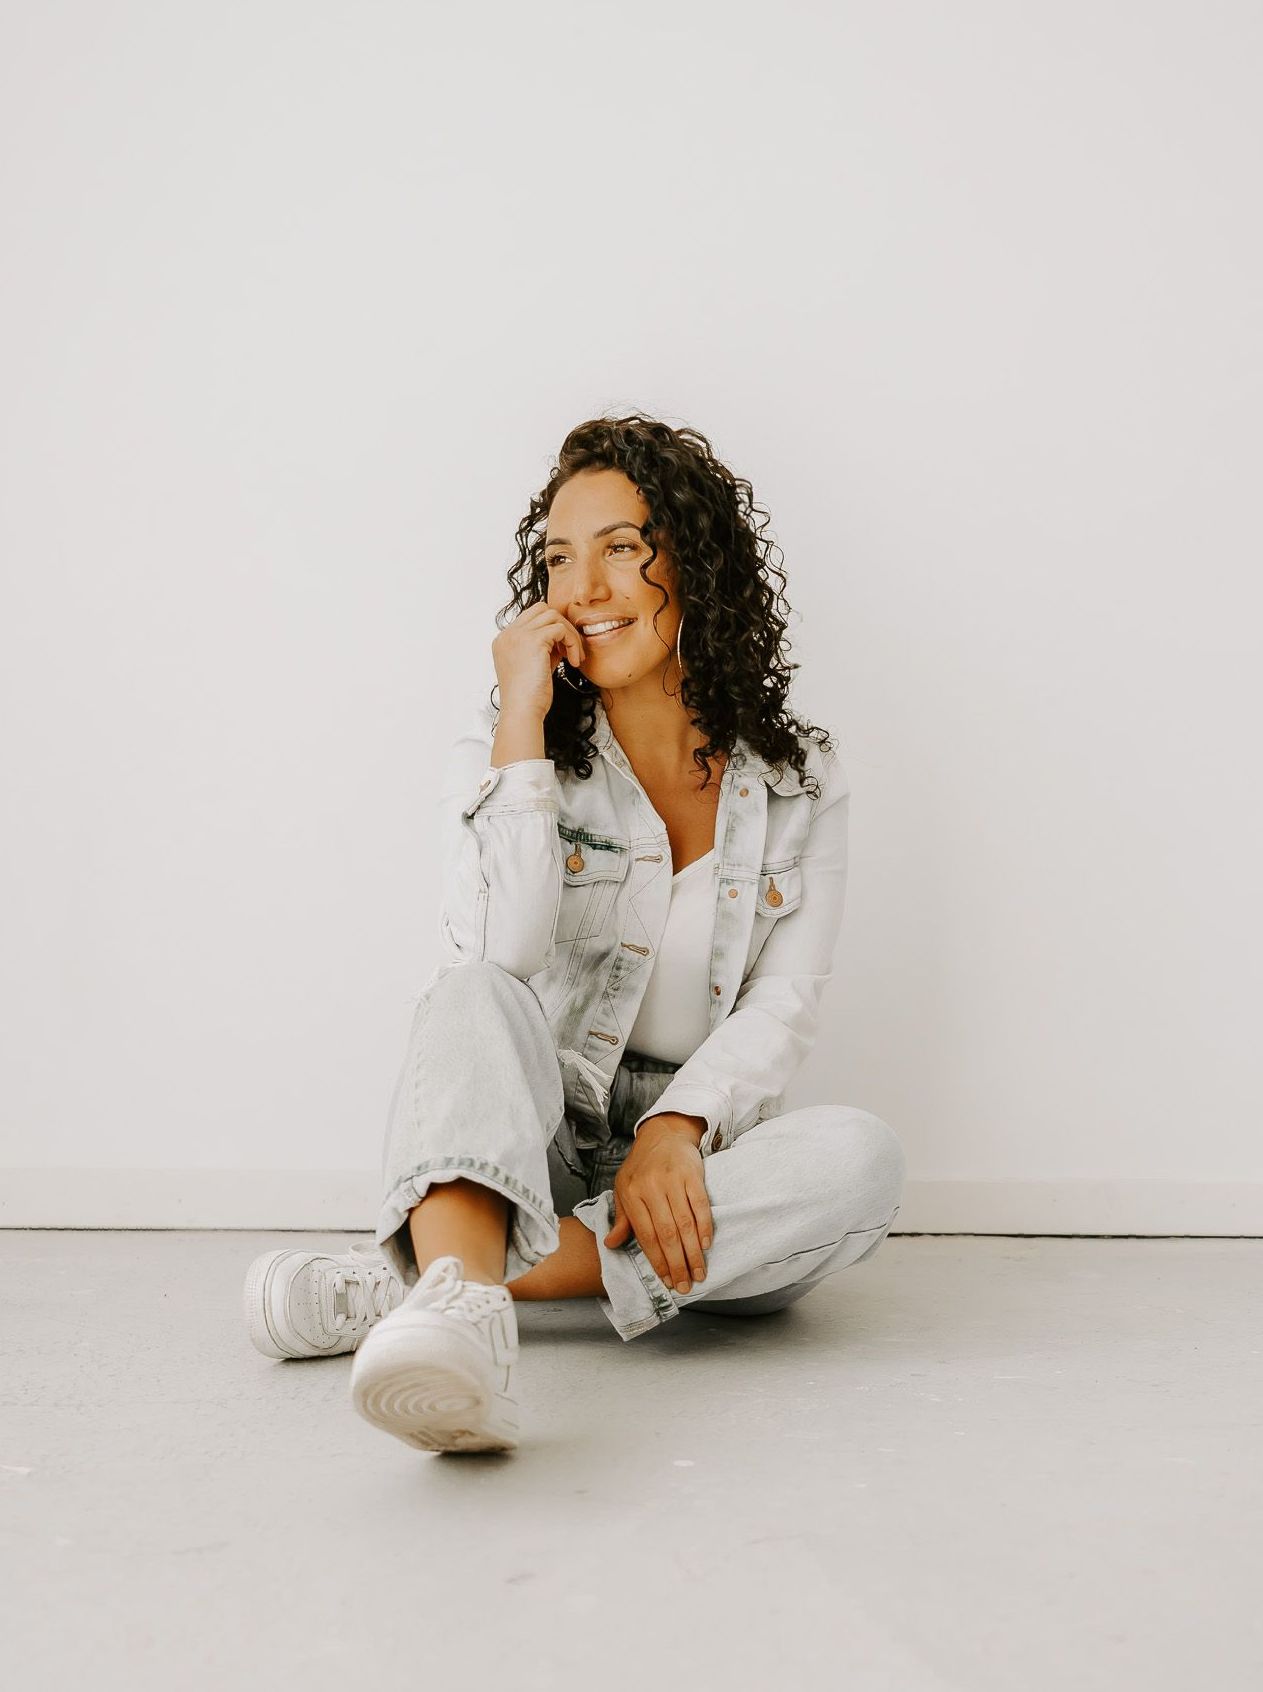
(674, 1015)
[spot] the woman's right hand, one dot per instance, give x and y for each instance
(525, 655)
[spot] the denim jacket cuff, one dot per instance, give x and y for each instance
(694, 1098)
(521, 785)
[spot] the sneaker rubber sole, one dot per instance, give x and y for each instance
(423, 1382)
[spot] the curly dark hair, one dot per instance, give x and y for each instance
(738, 677)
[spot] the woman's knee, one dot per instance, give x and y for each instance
(468, 993)
(882, 1147)
(474, 980)
(857, 1149)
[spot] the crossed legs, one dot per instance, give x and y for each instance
(472, 1221)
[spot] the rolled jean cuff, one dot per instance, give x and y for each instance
(533, 1230)
(638, 1300)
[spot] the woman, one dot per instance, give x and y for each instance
(645, 870)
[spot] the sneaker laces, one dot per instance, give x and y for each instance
(470, 1299)
(356, 1296)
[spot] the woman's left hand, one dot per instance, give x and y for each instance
(660, 1194)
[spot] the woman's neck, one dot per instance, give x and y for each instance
(655, 732)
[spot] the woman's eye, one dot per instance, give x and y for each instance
(616, 546)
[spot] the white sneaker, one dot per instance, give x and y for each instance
(438, 1371)
(316, 1303)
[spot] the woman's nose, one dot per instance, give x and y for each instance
(587, 584)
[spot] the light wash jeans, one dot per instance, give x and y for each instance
(796, 1198)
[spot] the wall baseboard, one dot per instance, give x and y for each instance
(345, 1201)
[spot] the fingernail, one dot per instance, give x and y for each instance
(681, 1286)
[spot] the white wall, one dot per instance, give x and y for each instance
(297, 302)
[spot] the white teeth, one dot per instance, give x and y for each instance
(600, 628)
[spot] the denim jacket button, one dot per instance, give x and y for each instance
(732, 892)
(714, 1144)
(575, 862)
(744, 793)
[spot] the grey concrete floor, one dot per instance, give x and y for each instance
(968, 1463)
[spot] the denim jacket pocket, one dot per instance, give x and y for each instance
(780, 888)
(593, 866)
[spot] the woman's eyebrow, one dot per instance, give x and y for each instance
(607, 530)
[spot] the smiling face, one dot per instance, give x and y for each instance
(594, 551)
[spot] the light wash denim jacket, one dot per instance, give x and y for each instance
(566, 884)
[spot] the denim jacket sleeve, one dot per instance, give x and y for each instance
(738, 1073)
(502, 871)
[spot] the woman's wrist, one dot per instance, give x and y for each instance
(672, 1122)
(518, 735)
